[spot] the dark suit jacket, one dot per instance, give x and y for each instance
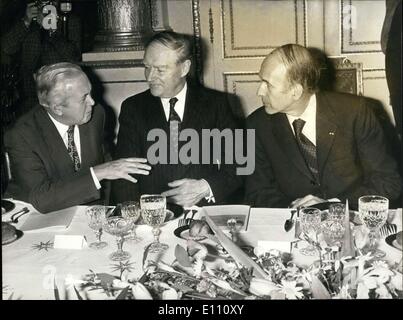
(204, 109)
(351, 151)
(41, 169)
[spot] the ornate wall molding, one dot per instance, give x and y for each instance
(197, 40)
(113, 64)
(347, 39)
(235, 47)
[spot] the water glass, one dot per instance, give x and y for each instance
(131, 210)
(310, 221)
(337, 212)
(153, 212)
(373, 211)
(96, 216)
(118, 227)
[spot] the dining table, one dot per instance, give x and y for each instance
(32, 268)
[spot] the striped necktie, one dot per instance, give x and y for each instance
(307, 148)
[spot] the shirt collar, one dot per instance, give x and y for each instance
(180, 104)
(309, 113)
(61, 128)
(181, 96)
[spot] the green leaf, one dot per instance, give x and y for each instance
(318, 289)
(123, 294)
(182, 256)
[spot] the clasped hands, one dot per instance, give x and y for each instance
(308, 200)
(187, 192)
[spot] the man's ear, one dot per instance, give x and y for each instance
(297, 91)
(186, 67)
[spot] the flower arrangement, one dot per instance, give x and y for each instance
(191, 276)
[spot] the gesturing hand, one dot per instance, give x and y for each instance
(187, 192)
(122, 169)
(306, 201)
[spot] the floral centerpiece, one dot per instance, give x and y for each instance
(191, 276)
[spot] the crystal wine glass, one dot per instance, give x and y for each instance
(131, 210)
(118, 227)
(153, 211)
(96, 217)
(337, 212)
(310, 220)
(373, 211)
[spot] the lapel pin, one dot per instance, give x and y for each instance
(331, 133)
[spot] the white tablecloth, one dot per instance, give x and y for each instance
(28, 273)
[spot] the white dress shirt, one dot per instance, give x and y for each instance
(179, 105)
(309, 116)
(62, 129)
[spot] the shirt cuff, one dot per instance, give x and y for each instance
(94, 177)
(210, 197)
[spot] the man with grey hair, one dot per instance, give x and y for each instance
(312, 145)
(174, 102)
(56, 149)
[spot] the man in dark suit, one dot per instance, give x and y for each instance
(310, 145)
(172, 102)
(56, 149)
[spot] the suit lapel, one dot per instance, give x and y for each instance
(193, 116)
(286, 141)
(53, 141)
(325, 130)
(155, 114)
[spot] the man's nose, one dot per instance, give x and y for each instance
(90, 100)
(261, 91)
(150, 74)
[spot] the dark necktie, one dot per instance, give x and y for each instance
(308, 149)
(174, 127)
(173, 116)
(71, 149)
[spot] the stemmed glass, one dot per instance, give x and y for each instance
(131, 210)
(96, 216)
(118, 227)
(337, 212)
(153, 211)
(310, 220)
(373, 211)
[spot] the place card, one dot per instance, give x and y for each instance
(69, 242)
(264, 246)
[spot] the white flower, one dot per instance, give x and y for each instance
(170, 294)
(290, 289)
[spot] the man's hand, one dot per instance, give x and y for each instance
(122, 169)
(30, 13)
(306, 201)
(187, 192)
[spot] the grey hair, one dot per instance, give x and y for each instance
(302, 67)
(49, 80)
(174, 41)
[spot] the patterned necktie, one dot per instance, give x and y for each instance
(174, 127)
(72, 150)
(173, 116)
(308, 149)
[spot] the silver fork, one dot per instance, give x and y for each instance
(387, 229)
(182, 222)
(14, 218)
(189, 220)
